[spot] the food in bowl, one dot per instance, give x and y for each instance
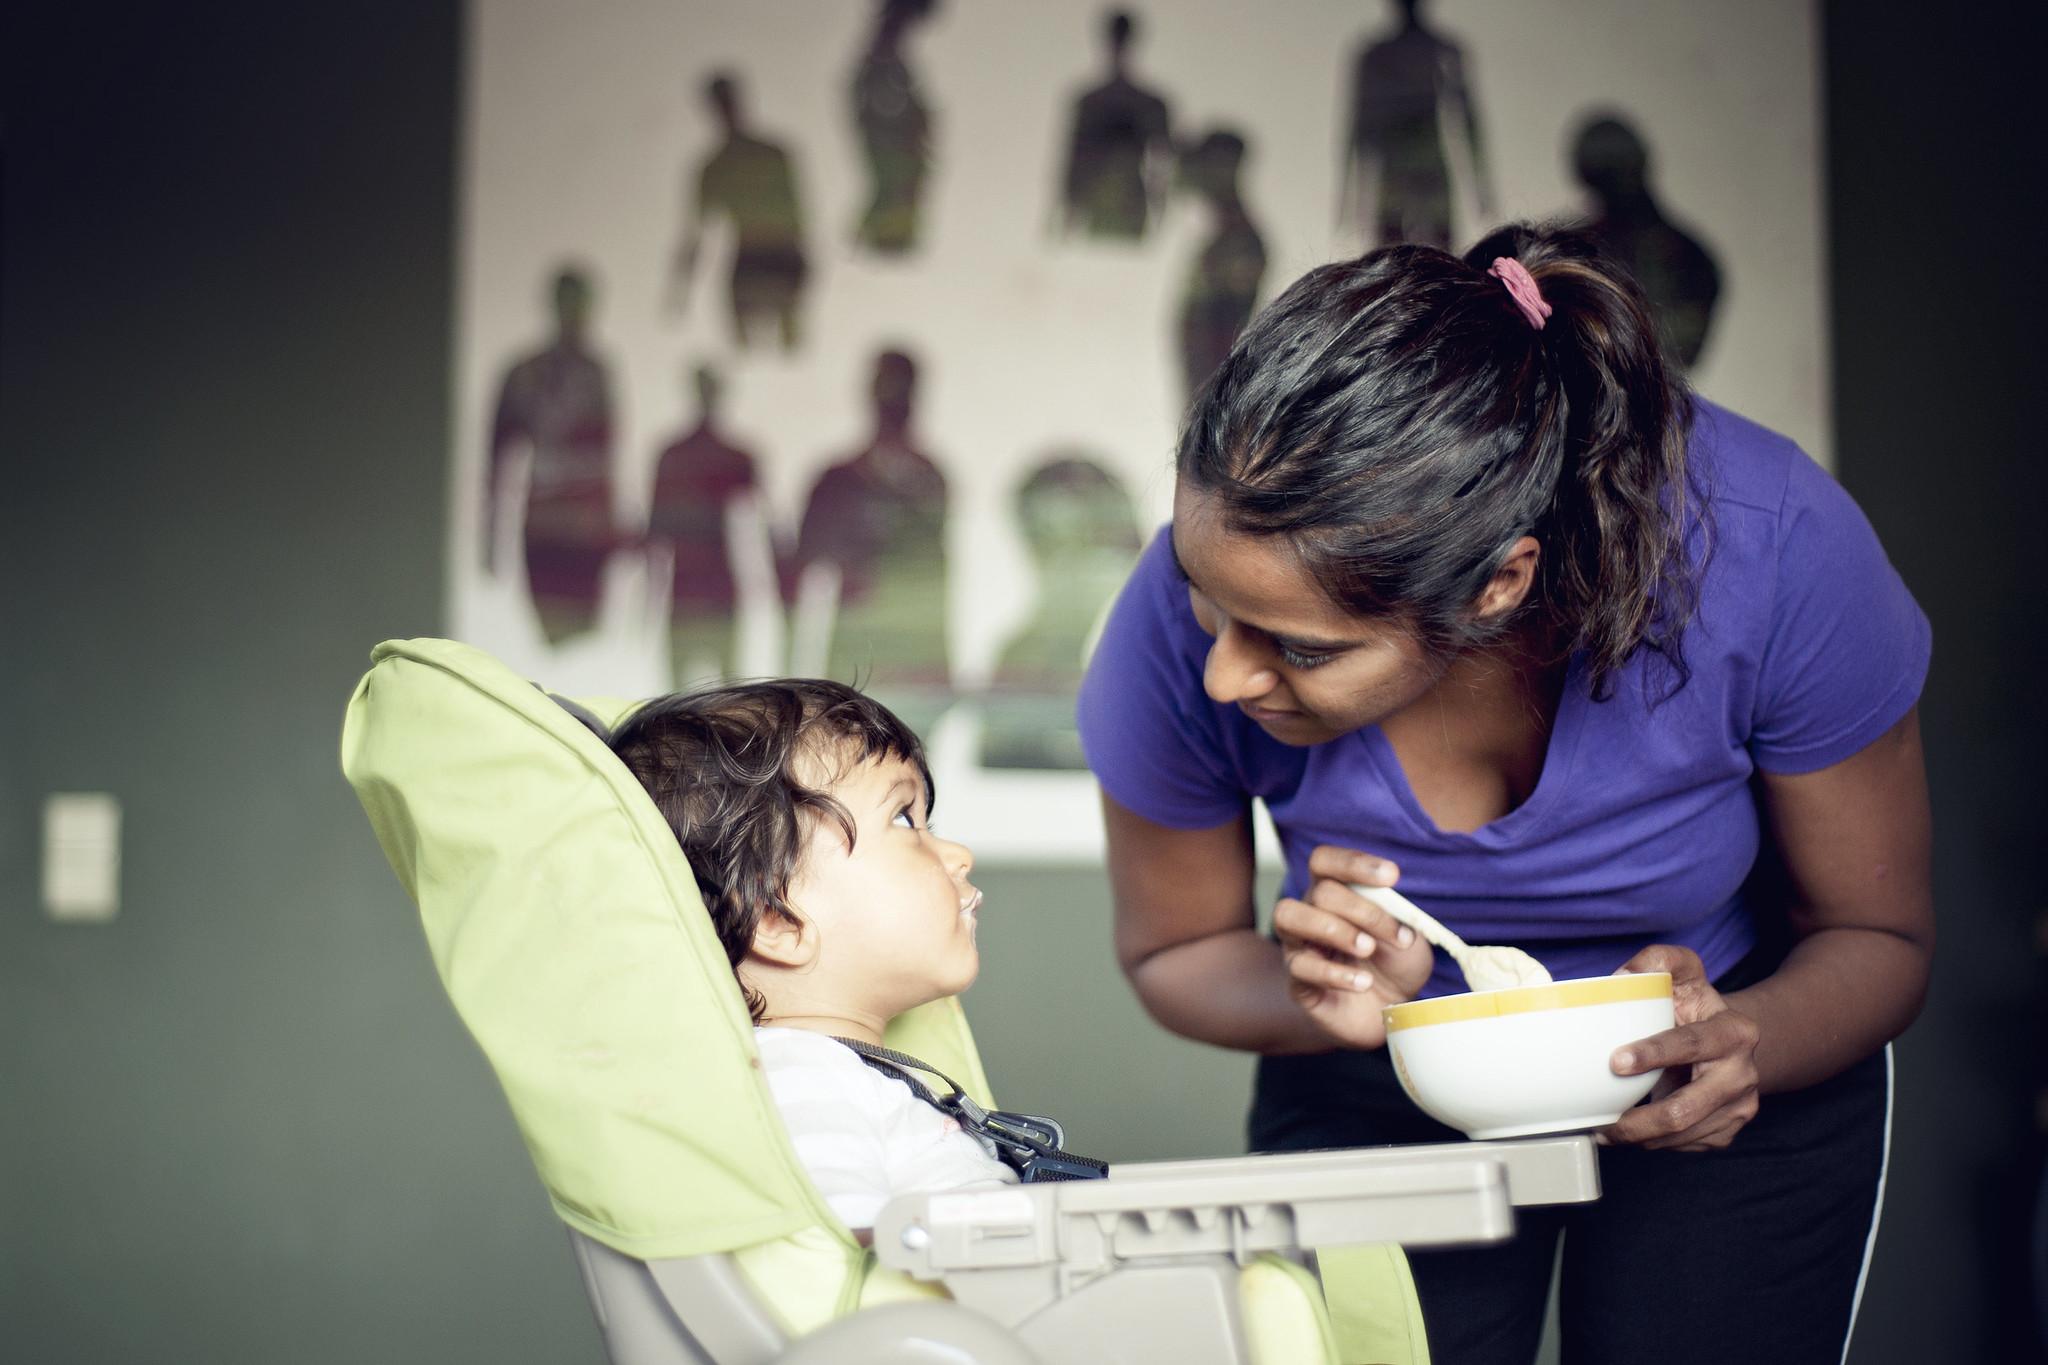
(1530, 1059)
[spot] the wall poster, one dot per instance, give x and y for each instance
(825, 336)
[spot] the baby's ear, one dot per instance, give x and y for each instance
(783, 940)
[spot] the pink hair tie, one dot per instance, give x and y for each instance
(1522, 288)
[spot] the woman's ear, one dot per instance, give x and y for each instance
(783, 940)
(1511, 582)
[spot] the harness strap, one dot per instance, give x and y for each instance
(1028, 1143)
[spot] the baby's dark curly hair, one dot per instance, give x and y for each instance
(721, 765)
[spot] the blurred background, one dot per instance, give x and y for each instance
(585, 332)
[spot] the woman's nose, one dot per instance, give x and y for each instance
(1233, 671)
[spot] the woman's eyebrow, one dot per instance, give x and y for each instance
(1298, 644)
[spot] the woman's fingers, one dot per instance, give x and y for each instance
(1683, 963)
(1702, 1116)
(1712, 1135)
(1719, 1093)
(1710, 1104)
(1717, 1036)
(1338, 921)
(1347, 958)
(1324, 927)
(1349, 865)
(1343, 1000)
(1357, 917)
(1692, 995)
(1319, 969)
(1340, 899)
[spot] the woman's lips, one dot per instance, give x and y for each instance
(1267, 715)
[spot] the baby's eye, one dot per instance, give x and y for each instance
(907, 817)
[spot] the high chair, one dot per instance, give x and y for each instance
(568, 931)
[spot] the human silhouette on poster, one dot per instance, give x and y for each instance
(1396, 178)
(555, 407)
(698, 481)
(749, 182)
(1120, 149)
(895, 129)
(1081, 528)
(876, 521)
(1675, 269)
(1223, 286)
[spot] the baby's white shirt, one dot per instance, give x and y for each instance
(861, 1136)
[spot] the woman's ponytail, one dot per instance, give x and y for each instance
(1615, 575)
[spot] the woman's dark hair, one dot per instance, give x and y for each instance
(722, 767)
(1399, 421)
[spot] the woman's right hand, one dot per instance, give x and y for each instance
(1347, 958)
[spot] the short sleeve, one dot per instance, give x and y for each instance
(1848, 648)
(1150, 735)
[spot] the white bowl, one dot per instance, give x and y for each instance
(1531, 1059)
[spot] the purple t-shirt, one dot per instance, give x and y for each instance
(1805, 648)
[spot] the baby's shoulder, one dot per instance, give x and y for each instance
(805, 1066)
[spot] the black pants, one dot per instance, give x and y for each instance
(1747, 1256)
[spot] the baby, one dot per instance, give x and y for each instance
(804, 810)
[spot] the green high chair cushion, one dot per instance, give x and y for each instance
(569, 933)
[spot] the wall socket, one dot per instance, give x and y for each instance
(81, 856)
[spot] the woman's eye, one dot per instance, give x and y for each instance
(1295, 659)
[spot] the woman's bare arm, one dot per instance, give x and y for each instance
(1187, 937)
(1855, 839)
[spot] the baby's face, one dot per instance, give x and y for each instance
(895, 914)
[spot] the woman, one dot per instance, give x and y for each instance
(1473, 595)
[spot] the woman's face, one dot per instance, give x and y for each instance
(1301, 667)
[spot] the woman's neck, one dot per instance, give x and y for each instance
(1474, 746)
(1511, 686)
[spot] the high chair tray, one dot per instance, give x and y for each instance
(1563, 1169)
(1434, 1195)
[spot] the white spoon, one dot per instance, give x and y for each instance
(1486, 967)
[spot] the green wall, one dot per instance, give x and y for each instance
(241, 1124)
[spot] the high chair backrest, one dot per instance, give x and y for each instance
(570, 935)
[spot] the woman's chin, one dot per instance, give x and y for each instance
(1289, 727)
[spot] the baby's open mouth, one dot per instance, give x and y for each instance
(970, 905)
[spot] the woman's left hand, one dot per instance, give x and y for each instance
(1709, 1087)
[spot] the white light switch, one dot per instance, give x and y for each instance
(81, 856)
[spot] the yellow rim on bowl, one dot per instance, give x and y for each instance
(1558, 995)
